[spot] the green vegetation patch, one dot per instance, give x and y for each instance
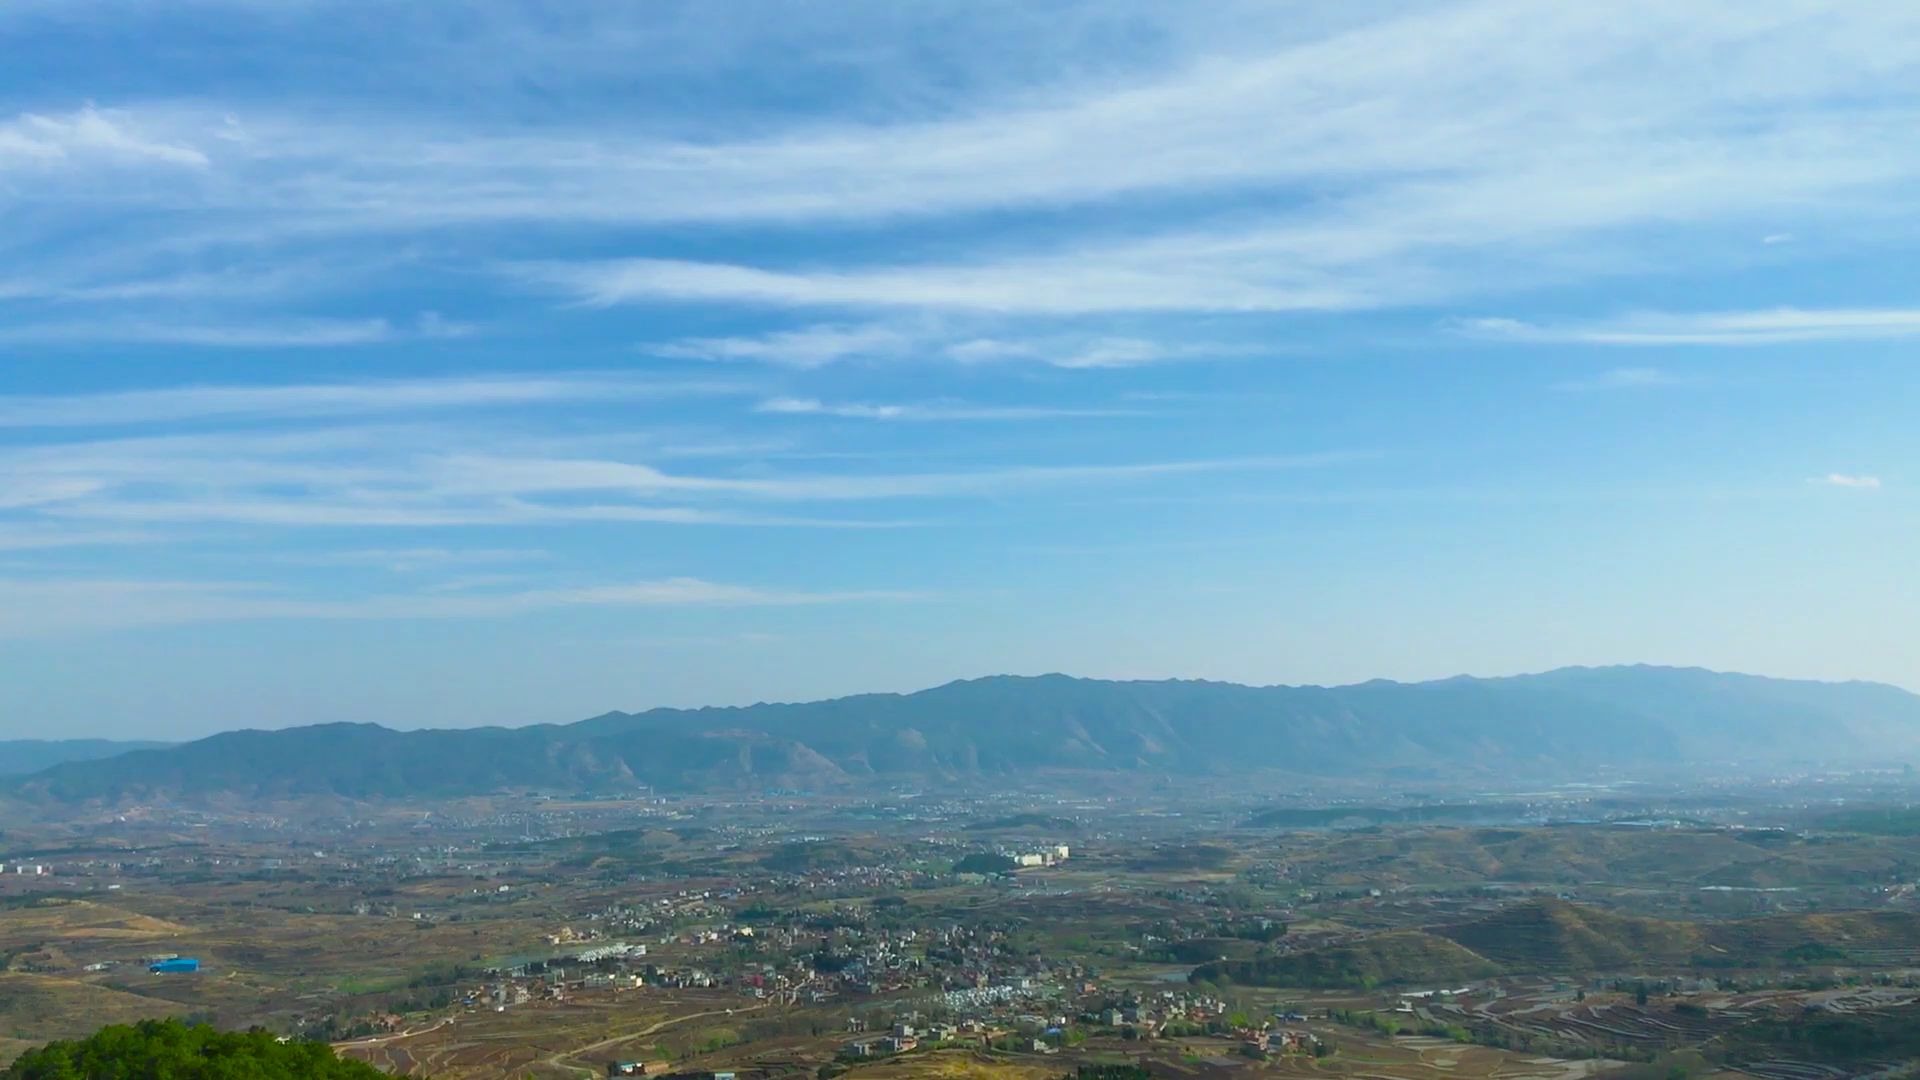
(177, 1051)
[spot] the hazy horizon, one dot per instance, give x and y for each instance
(457, 724)
(471, 364)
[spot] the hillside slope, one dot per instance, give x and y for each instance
(1538, 724)
(1556, 936)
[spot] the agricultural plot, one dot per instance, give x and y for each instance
(569, 1039)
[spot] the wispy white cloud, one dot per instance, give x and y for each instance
(36, 536)
(417, 559)
(154, 271)
(306, 400)
(33, 140)
(1100, 351)
(28, 490)
(244, 334)
(927, 410)
(38, 607)
(1352, 169)
(1375, 99)
(806, 347)
(395, 477)
(1855, 481)
(526, 476)
(1774, 326)
(1128, 352)
(945, 340)
(1174, 275)
(419, 510)
(1628, 378)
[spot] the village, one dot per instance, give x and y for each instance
(901, 935)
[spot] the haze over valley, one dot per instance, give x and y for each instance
(1633, 721)
(959, 540)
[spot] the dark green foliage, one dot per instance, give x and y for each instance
(984, 862)
(1389, 1025)
(1878, 821)
(802, 858)
(1843, 1038)
(1179, 857)
(171, 1050)
(1110, 1072)
(1389, 959)
(1046, 822)
(828, 963)
(1265, 931)
(1812, 952)
(1201, 951)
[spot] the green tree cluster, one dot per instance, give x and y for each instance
(172, 1050)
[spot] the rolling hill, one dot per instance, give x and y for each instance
(1401, 958)
(1627, 717)
(1552, 937)
(1561, 937)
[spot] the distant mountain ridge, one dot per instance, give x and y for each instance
(1558, 722)
(21, 756)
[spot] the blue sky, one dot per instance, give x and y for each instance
(463, 363)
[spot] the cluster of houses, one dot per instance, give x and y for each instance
(1004, 1024)
(1283, 1040)
(908, 1036)
(1154, 1015)
(616, 950)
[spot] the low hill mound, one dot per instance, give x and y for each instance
(1402, 958)
(1552, 935)
(51, 1005)
(1863, 937)
(1560, 938)
(71, 918)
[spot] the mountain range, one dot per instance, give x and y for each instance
(1559, 723)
